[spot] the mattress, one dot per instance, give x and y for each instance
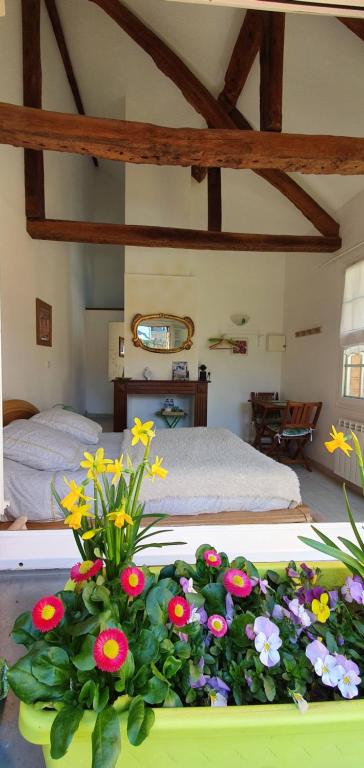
(209, 470)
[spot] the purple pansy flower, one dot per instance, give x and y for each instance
(309, 572)
(333, 598)
(249, 631)
(229, 608)
(298, 613)
(263, 584)
(267, 641)
(313, 594)
(280, 613)
(292, 573)
(219, 691)
(349, 681)
(353, 590)
(187, 585)
(198, 682)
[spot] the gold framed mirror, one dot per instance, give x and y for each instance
(162, 333)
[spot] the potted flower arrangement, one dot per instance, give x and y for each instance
(128, 653)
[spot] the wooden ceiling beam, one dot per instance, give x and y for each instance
(243, 56)
(213, 111)
(214, 199)
(65, 56)
(355, 25)
(168, 237)
(271, 71)
(32, 97)
(147, 144)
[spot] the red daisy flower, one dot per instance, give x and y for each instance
(86, 570)
(47, 613)
(237, 583)
(212, 558)
(217, 625)
(132, 581)
(179, 611)
(110, 650)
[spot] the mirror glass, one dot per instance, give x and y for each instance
(162, 333)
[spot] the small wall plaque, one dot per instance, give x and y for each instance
(43, 320)
(308, 331)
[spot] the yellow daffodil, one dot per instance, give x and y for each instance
(91, 533)
(95, 464)
(156, 469)
(142, 432)
(120, 517)
(116, 468)
(77, 513)
(338, 441)
(75, 494)
(320, 608)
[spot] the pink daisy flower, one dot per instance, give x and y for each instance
(217, 625)
(86, 570)
(212, 558)
(179, 611)
(47, 613)
(132, 581)
(110, 650)
(237, 583)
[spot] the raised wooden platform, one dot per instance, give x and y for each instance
(299, 514)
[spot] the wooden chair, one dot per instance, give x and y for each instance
(296, 429)
(257, 414)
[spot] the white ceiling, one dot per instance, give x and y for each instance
(323, 76)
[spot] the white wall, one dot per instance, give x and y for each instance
(30, 269)
(99, 390)
(312, 364)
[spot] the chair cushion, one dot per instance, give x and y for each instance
(291, 431)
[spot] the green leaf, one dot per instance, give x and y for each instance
(336, 553)
(146, 648)
(84, 660)
(182, 649)
(63, 728)
(214, 595)
(356, 551)
(87, 693)
(157, 603)
(85, 627)
(140, 721)
(172, 699)
(4, 685)
(26, 687)
(171, 666)
(351, 517)
(122, 703)
(269, 687)
(51, 666)
(106, 741)
(125, 673)
(237, 630)
(156, 691)
(100, 699)
(24, 631)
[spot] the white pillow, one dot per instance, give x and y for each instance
(83, 429)
(41, 447)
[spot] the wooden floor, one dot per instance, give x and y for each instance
(299, 514)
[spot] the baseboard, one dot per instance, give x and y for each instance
(337, 478)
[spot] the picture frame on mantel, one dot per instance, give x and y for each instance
(43, 323)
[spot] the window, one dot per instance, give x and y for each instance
(353, 372)
(352, 332)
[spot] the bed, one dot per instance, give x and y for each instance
(214, 477)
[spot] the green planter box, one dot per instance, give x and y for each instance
(264, 736)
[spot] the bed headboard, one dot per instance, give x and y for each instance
(17, 409)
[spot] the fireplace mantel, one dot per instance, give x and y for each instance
(125, 387)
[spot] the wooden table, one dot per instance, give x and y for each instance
(267, 409)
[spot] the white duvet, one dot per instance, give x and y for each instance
(209, 470)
